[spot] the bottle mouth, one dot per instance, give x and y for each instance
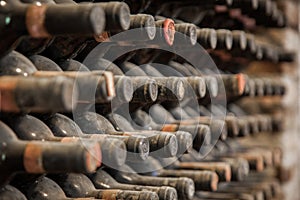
(239, 39)
(189, 32)
(214, 182)
(169, 31)
(150, 27)
(193, 35)
(212, 34)
(241, 83)
(153, 90)
(228, 40)
(124, 89)
(201, 87)
(143, 148)
(251, 45)
(124, 16)
(212, 86)
(180, 90)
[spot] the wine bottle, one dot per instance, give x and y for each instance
(145, 89)
(143, 24)
(92, 87)
(93, 127)
(169, 88)
(185, 34)
(221, 168)
(21, 156)
(117, 16)
(161, 144)
(142, 28)
(31, 46)
(113, 149)
(147, 25)
(201, 133)
(165, 32)
(234, 84)
(43, 188)
(31, 94)
(78, 185)
(184, 186)
(193, 134)
(204, 180)
(96, 86)
(144, 122)
(239, 167)
(256, 161)
(102, 180)
(20, 15)
(198, 85)
(30, 128)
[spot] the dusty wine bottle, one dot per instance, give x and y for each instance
(184, 186)
(43, 188)
(102, 180)
(41, 21)
(31, 94)
(165, 32)
(92, 87)
(161, 143)
(78, 185)
(221, 168)
(145, 89)
(113, 149)
(185, 32)
(31, 46)
(36, 157)
(147, 25)
(93, 123)
(204, 180)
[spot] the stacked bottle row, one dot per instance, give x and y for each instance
(90, 110)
